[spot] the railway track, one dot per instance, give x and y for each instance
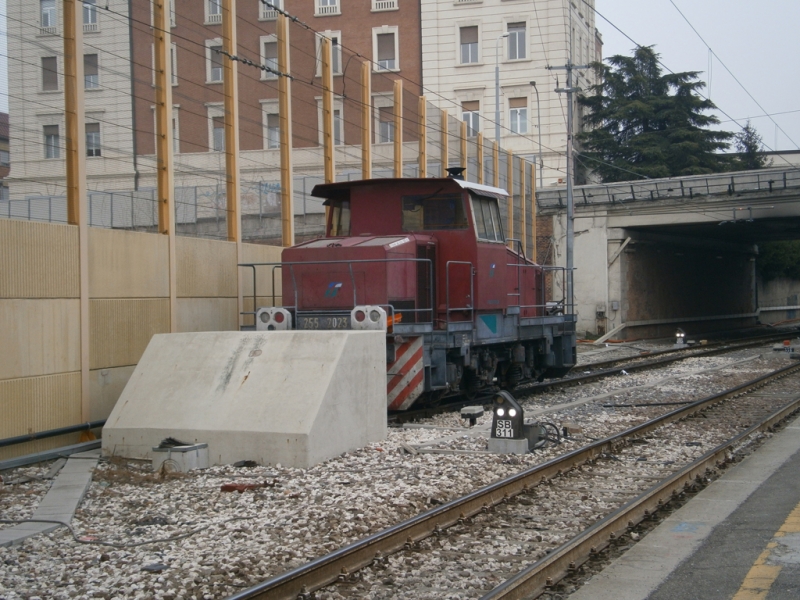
(554, 515)
(600, 370)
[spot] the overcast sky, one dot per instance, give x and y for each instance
(757, 41)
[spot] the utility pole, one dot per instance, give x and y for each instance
(569, 91)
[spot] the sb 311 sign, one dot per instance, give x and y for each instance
(504, 428)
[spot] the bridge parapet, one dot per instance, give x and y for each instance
(762, 181)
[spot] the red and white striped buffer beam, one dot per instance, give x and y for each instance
(405, 377)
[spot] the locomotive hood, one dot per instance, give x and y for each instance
(341, 189)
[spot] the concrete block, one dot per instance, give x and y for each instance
(503, 446)
(290, 397)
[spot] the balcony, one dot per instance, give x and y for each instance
(214, 18)
(90, 27)
(326, 8)
(269, 14)
(48, 30)
(380, 5)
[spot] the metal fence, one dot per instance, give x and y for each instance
(766, 180)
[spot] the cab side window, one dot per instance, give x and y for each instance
(487, 219)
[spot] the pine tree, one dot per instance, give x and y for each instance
(750, 148)
(641, 121)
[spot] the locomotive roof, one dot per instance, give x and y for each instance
(341, 188)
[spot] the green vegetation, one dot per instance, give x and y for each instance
(779, 259)
(641, 121)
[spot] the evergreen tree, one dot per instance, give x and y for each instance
(642, 121)
(750, 147)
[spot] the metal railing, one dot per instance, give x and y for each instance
(378, 5)
(765, 181)
(349, 263)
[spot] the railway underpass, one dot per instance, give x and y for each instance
(656, 255)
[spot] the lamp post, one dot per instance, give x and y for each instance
(539, 120)
(497, 88)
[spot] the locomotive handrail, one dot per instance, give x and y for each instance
(470, 308)
(291, 265)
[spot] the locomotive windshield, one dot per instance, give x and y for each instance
(340, 218)
(487, 219)
(434, 211)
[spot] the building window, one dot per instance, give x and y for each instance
(92, 139)
(273, 130)
(469, 44)
(49, 74)
(336, 52)
(5, 158)
(49, 17)
(173, 57)
(266, 13)
(214, 63)
(213, 11)
(51, 142)
(518, 115)
(327, 7)
(91, 77)
(218, 134)
(470, 114)
(380, 5)
(385, 125)
(176, 144)
(386, 47)
(269, 57)
(338, 138)
(90, 15)
(516, 41)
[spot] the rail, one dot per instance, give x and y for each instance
(327, 569)
(766, 181)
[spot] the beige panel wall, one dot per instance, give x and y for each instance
(119, 330)
(206, 268)
(39, 260)
(127, 264)
(207, 314)
(39, 337)
(106, 386)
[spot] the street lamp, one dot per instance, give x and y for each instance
(539, 119)
(497, 88)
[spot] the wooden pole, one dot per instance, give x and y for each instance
(327, 110)
(423, 137)
(510, 190)
(522, 201)
(398, 128)
(285, 123)
(366, 120)
(445, 144)
(75, 122)
(480, 157)
(464, 158)
(534, 237)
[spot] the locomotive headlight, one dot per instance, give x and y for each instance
(374, 316)
(501, 412)
(512, 412)
(264, 317)
(360, 316)
(278, 318)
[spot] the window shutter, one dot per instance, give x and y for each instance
(471, 106)
(518, 103)
(469, 35)
(49, 73)
(386, 46)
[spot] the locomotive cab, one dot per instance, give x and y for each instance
(465, 309)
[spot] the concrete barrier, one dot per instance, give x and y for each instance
(290, 397)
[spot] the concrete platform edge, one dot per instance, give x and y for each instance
(637, 573)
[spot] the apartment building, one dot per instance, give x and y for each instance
(470, 38)
(36, 96)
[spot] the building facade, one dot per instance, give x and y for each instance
(471, 38)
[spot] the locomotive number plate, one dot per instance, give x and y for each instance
(504, 429)
(324, 322)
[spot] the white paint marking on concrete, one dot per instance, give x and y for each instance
(638, 572)
(61, 500)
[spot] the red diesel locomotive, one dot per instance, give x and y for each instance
(427, 261)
